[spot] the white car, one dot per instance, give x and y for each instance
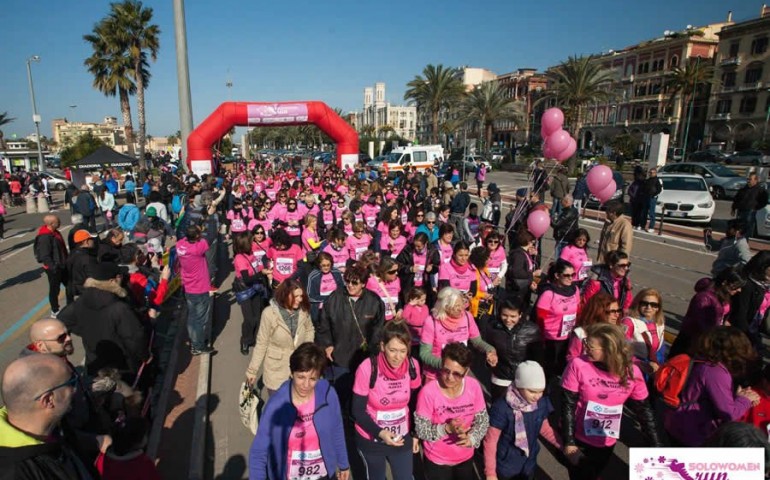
(763, 219)
(685, 197)
(56, 181)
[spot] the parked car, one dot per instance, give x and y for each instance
(724, 182)
(477, 158)
(685, 197)
(763, 218)
(707, 156)
(620, 183)
(363, 158)
(56, 181)
(748, 157)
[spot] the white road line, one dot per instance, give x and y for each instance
(63, 229)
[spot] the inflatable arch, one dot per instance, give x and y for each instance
(256, 114)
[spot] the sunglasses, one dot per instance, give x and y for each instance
(393, 272)
(613, 310)
(259, 233)
(431, 223)
(71, 382)
(61, 338)
(649, 304)
(419, 216)
(452, 374)
(623, 265)
(568, 275)
(353, 282)
(493, 242)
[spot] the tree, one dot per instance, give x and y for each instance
(4, 120)
(132, 22)
(437, 88)
(111, 69)
(386, 130)
(577, 83)
(685, 81)
(367, 130)
(487, 104)
(625, 144)
(84, 146)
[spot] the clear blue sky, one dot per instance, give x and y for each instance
(326, 50)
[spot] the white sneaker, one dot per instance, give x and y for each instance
(638, 228)
(54, 314)
(650, 230)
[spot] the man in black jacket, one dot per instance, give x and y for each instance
(37, 391)
(81, 257)
(112, 334)
(349, 331)
(747, 201)
(564, 225)
(51, 252)
(652, 188)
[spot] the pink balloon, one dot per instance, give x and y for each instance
(598, 178)
(567, 152)
(607, 192)
(538, 223)
(552, 120)
(558, 142)
(543, 132)
(547, 150)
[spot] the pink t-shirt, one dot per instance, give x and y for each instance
(579, 260)
(457, 279)
(420, 262)
(304, 448)
(495, 263)
(246, 262)
(599, 408)
(284, 262)
(260, 250)
(414, 316)
(435, 334)
(193, 265)
(439, 409)
(238, 223)
(370, 214)
(445, 251)
(393, 245)
(339, 257)
(388, 292)
(265, 223)
(308, 235)
(557, 314)
(328, 284)
(327, 218)
(388, 402)
(357, 246)
(293, 217)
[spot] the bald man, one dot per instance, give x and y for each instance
(49, 335)
(37, 391)
(51, 251)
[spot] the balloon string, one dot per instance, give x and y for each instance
(553, 252)
(520, 206)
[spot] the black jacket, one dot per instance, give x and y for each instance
(405, 261)
(744, 307)
(77, 265)
(520, 343)
(460, 203)
(750, 198)
(85, 204)
(50, 249)
(652, 187)
(107, 251)
(48, 461)
(338, 326)
(111, 332)
(518, 277)
(565, 223)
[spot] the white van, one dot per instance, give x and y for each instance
(413, 156)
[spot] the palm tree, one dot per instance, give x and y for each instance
(685, 82)
(577, 83)
(4, 120)
(437, 88)
(367, 130)
(111, 68)
(487, 104)
(132, 23)
(386, 130)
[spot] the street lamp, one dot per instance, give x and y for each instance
(35, 116)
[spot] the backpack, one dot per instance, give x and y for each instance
(671, 378)
(488, 211)
(373, 376)
(178, 201)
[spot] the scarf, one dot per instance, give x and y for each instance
(459, 268)
(288, 316)
(451, 323)
(389, 372)
(519, 406)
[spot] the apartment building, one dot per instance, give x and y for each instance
(740, 101)
(383, 117)
(66, 133)
(524, 85)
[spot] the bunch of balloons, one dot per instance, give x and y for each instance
(538, 222)
(600, 182)
(557, 143)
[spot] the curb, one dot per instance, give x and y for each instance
(156, 431)
(198, 443)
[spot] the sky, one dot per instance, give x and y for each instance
(327, 50)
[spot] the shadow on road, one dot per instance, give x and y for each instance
(22, 278)
(17, 246)
(235, 469)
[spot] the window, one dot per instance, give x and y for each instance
(420, 156)
(759, 46)
(402, 124)
(674, 61)
(638, 113)
(724, 106)
(728, 79)
(753, 73)
(734, 49)
(748, 105)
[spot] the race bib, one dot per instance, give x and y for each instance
(602, 421)
(360, 251)
(395, 421)
(418, 275)
(585, 269)
(255, 265)
(284, 266)
(237, 224)
(567, 324)
(493, 273)
(292, 230)
(371, 221)
(307, 465)
(390, 304)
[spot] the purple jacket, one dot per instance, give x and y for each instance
(704, 312)
(707, 402)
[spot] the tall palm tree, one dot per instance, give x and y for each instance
(437, 88)
(111, 68)
(4, 120)
(487, 104)
(367, 130)
(577, 83)
(685, 82)
(132, 22)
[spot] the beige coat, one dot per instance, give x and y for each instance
(618, 235)
(275, 345)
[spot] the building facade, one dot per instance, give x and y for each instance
(740, 101)
(524, 85)
(383, 119)
(66, 133)
(640, 102)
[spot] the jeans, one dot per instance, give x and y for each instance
(556, 207)
(651, 212)
(749, 218)
(560, 244)
(55, 279)
(198, 319)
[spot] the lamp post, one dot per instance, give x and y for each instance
(35, 116)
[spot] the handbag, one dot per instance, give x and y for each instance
(244, 293)
(248, 401)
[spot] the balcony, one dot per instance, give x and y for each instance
(720, 116)
(750, 86)
(656, 97)
(729, 62)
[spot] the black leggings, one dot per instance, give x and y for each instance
(252, 313)
(555, 358)
(54, 287)
(461, 471)
(594, 461)
(376, 455)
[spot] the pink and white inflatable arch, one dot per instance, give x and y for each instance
(262, 114)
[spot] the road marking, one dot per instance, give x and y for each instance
(28, 246)
(27, 318)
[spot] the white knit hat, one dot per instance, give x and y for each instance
(530, 375)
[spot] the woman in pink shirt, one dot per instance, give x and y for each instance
(327, 218)
(612, 277)
(293, 219)
(346, 223)
(371, 211)
(392, 242)
(386, 285)
(384, 432)
(458, 272)
(248, 273)
(596, 386)
(260, 245)
(310, 239)
(451, 417)
(601, 308)
(446, 233)
(498, 263)
(359, 242)
(645, 325)
(576, 253)
(284, 256)
(335, 246)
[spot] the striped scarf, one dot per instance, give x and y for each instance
(519, 406)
